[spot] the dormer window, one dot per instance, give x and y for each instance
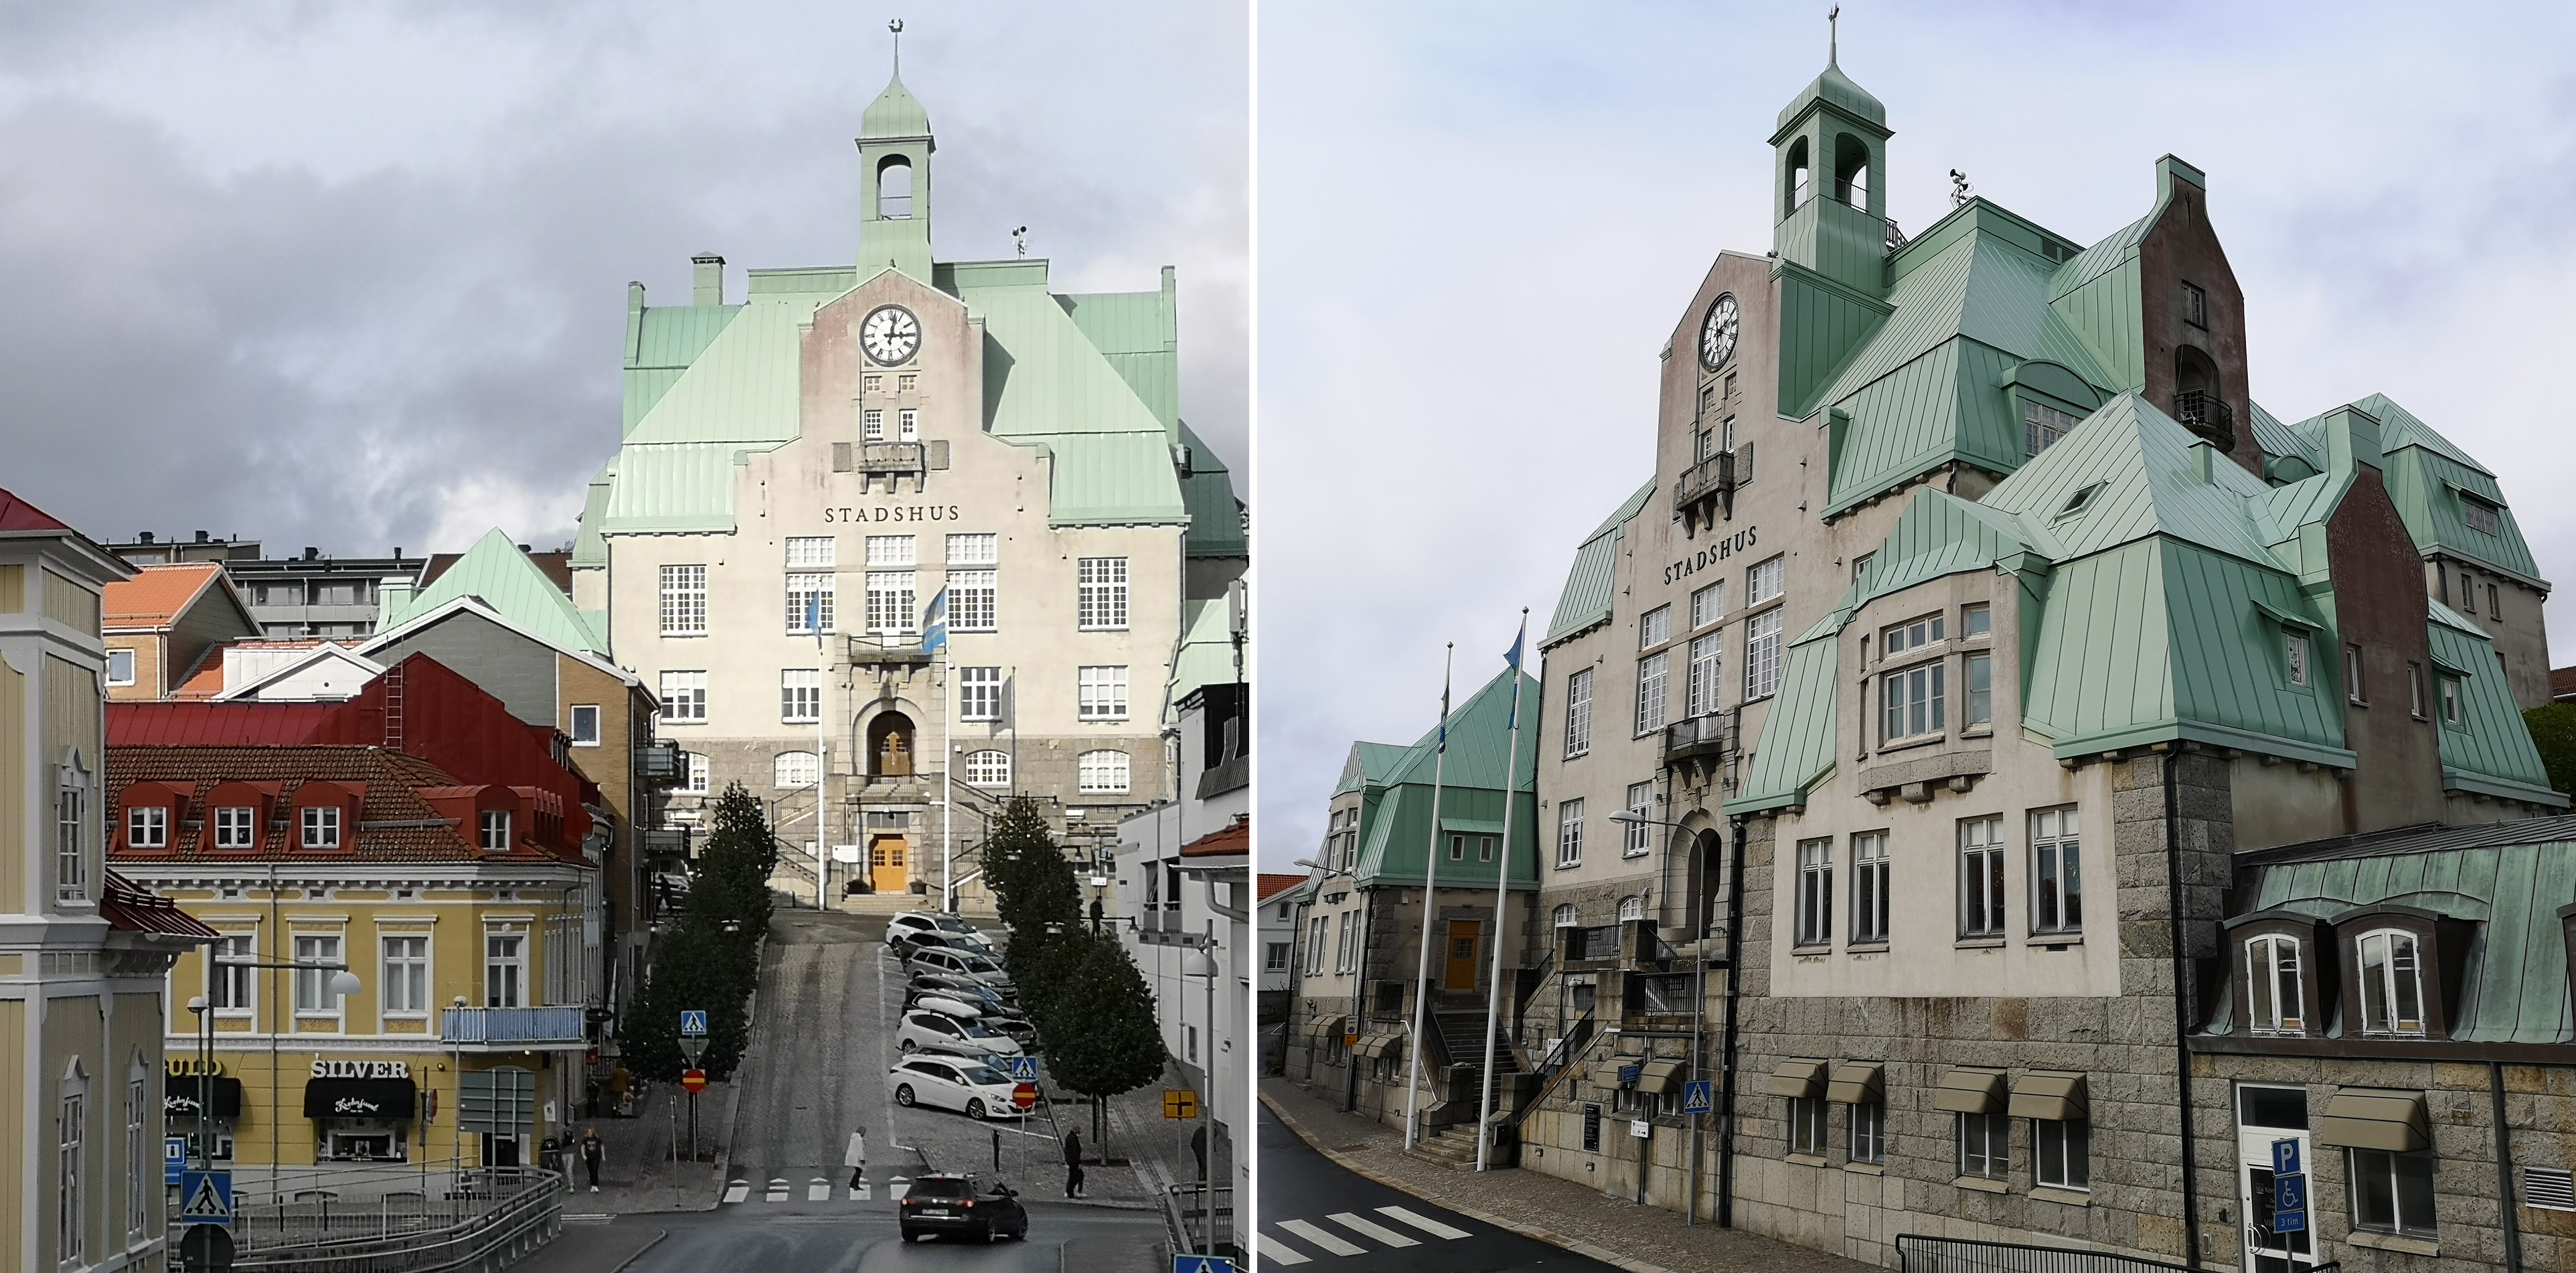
(2481, 514)
(2391, 983)
(147, 827)
(495, 831)
(2079, 501)
(236, 827)
(322, 826)
(2276, 999)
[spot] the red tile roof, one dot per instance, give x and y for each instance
(1269, 886)
(2562, 683)
(18, 514)
(157, 595)
(1234, 841)
(396, 822)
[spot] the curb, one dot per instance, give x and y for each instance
(1549, 1236)
(733, 1089)
(649, 1244)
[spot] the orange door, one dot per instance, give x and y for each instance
(889, 869)
(1461, 970)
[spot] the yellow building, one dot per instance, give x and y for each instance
(82, 953)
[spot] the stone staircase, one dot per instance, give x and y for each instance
(1454, 1145)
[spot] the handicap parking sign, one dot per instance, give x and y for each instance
(1696, 1097)
(174, 1158)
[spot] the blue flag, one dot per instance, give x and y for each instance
(1514, 658)
(934, 623)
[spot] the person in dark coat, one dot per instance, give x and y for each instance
(1073, 1164)
(592, 1154)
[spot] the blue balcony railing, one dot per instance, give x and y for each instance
(511, 1025)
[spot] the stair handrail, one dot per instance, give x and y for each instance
(1559, 1062)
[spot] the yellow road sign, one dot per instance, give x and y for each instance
(1180, 1102)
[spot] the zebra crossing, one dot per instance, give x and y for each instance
(817, 1189)
(1295, 1238)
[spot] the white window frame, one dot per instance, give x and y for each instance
(2362, 1165)
(813, 602)
(973, 549)
(1762, 654)
(505, 969)
(1870, 905)
(71, 1128)
(1815, 903)
(2382, 1005)
(1985, 1146)
(585, 725)
(1564, 916)
(1982, 901)
(979, 694)
(891, 602)
(1103, 771)
(1976, 621)
(71, 832)
(1569, 834)
(1869, 1132)
(1102, 692)
(1636, 839)
(1708, 605)
(990, 767)
(1654, 691)
(1654, 627)
(2061, 1153)
(2297, 654)
(1764, 580)
(1913, 702)
(2056, 859)
(1633, 906)
(1707, 673)
(800, 696)
(812, 552)
(120, 659)
(492, 830)
(2451, 700)
(322, 826)
(684, 600)
(139, 1188)
(700, 776)
(1100, 594)
(1578, 713)
(1807, 1125)
(907, 424)
(974, 600)
(237, 827)
(404, 990)
(236, 989)
(684, 697)
(313, 997)
(893, 552)
(1913, 634)
(2274, 970)
(795, 770)
(147, 826)
(1977, 690)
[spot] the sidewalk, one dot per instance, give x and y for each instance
(1559, 1212)
(1158, 1147)
(637, 1174)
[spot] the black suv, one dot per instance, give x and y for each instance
(955, 1204)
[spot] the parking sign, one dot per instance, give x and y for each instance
(2285, 1157)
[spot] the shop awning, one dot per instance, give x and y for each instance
(1664, 1075)
(2059, 1097)
(1856, 1083)
(182, 1097)
(2363, 1118)
(1802, 1079)
(359, 1098)
(1970, 1092)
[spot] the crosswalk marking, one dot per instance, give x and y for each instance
(778, 1189)
(818, 1190)
(737, 1191)
(862, 1191)
(1368, 1230)
(1276, 1252)
(1320, 1237)
(1422, 1222)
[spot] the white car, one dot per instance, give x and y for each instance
(958, 962)
(957, 1009)
(921, 1028)
(956, 1083)
(944, 925)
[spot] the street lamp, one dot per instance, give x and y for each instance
(1699, 996)
(343, 983)
(1198, 963)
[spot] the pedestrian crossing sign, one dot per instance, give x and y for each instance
(1696, 1098)
(205, 1197)
(1024, 1069)
(693, 1023)
(1201, 1264)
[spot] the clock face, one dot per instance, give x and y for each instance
(890, 334)
(1717, 334)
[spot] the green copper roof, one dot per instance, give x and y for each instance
(667, 340)
(1206, 654)
(1216, 516)
(1835, 88)
(895, 113)
(1368, 766)
(2430, 480)
(495, 572)
(1591, 584)
(1395, 832)
(2489, 752)
(1795, 754)
(742, 386)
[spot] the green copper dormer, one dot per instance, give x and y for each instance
(894, 184)
(1829, 207)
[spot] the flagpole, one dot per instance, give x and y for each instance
(1430, 915)
(822, 751)
(1502, 888)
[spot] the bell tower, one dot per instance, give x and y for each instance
(1829, 203)
(894, 180)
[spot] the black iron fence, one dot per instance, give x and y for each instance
(1919, 1253)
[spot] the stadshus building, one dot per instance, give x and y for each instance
(817, 476)
(1987, 718)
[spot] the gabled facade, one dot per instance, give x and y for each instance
(163, 622)
(847, 444)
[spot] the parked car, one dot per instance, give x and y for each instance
(948, 925)
(945, 1006)
(958, 963)
(920, 939)
(955, 1204)
(962, 1049)
(953, 1082)
(1020, 1029)
(959, 986)
(930, 1027)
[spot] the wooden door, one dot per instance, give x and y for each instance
(1460, 971)
(889, 864)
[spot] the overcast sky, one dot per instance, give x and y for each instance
(1479, 222)
(353, 275)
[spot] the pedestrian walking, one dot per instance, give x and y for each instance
(592, 1154)
(856, 1157)
(1073, 1164)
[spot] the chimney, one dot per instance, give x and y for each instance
(143, 537)
(312, 554)
(707, 276)
(393, 596)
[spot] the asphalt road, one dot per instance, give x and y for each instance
(1318, 1218)
(748, 1240)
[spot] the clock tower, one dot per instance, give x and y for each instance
(894, 184)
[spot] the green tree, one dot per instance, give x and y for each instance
(2553, 730)
(710, 957)
(1018, 854)
(1101, 1035)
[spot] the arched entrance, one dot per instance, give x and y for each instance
(890, 746)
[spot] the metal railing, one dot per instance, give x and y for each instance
(1711, 735)
(661, 765)
(511, 1025)
(1201, 1219)
(887, 648)
(2206, 412)
(1920, 1253)
(444, 1222)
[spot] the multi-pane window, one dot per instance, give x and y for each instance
(1816, 892)
(504, 970)
(1985, 1146)
(1762, 655)
(974, 550)
(1654, 627)
(232, 983)
(1103, 693)
(406, 984)
(974, 600)
(811, 552)
(1707, 655)
(2195, 305)
(71, 857)
(72, 1219)
(890, 602)
(2392, 1193)
(1101, 594)
(1635, 838)
(1633, 906)
(1807, 1125)
(1979, 671)
(979, 693)
(2294, 647)
(147, 827)
(1563, 915)
(585, 725)
(1869, 1132)
(2042, 426)
(1912, 635)
(1976, 621)
(1274, 956)
(2062, 1152)
(2275, 996)
(907, 425)
(1860, 565)
(800, 695)
(1708, 605)
(2392, 983)
(1578, 713)
(1765, 581)
(684, 600)
(1569, 833)
(1912, 701)
(872, 424)
(988, 769)
(793, 770)
(236, 827)
(493, 830)
(893, 552)
(1981, 877)
(321, 826)
(2352, 687)
(313, 985)
(137, 1154)
(1869, 887)
(684, 697)
(1654, 687)
(2481, 514)
(2450, 700)
(810, 601)
(1342, 943)
(700, 774)
(2056, 873)
(1315, 928)
(1102, 772)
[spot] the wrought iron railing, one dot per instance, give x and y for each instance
(1710, 735)
(1200, 1219)
(1553, 1067)
(1919, 1253)
(2203, 411)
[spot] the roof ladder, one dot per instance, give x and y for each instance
(394, 708)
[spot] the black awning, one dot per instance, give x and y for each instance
(358, 1098)
(182, 1097)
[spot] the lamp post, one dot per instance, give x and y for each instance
(342, 984)
(1199, 963)
(1699, 995)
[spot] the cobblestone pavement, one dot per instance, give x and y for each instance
(638, 1171)
(1560, 1212)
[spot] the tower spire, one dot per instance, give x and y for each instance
(1833, 36)
(896, 27)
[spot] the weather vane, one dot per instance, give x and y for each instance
(1020, 241)
(1958, 188)
(896, 27)
(1833, 35)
